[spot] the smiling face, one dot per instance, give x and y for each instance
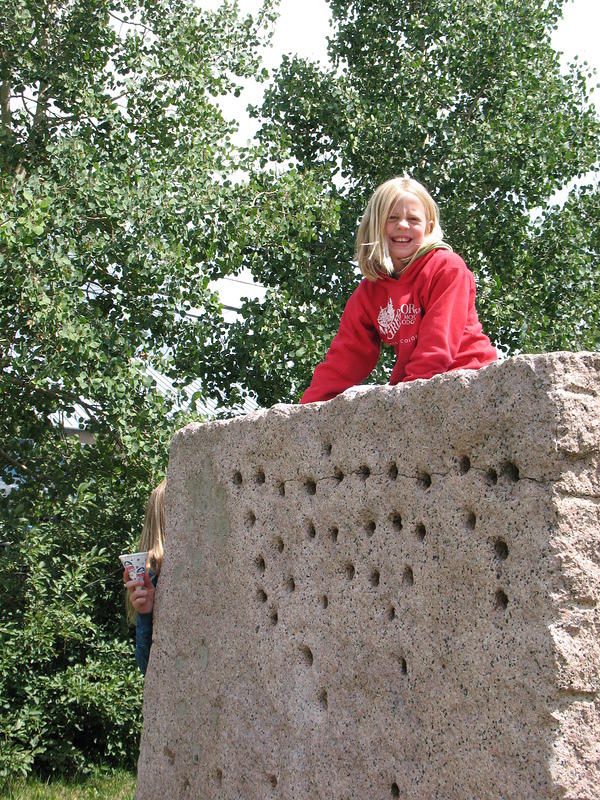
(406, 228)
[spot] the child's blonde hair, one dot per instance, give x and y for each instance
(152, 538)
(372, 251)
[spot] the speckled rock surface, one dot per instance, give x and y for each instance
(393, 594)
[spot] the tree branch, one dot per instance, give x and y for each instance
(40, 114)
(130, 24)
(65, 396)
(9, 458)
(5, 106)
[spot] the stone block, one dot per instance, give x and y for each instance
(392, 594)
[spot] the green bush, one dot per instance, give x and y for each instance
(70, 691)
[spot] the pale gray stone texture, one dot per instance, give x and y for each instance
(392, 594)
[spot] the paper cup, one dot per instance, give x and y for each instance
(135, 564)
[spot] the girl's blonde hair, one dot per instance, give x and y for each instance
(372, 251)
(152, 538)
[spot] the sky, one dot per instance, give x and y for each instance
(577, 33)
(302, 28)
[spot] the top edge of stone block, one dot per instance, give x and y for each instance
(538, 412)
(577, 373)
(571, 370)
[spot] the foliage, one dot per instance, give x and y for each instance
(281, 233)
(564, 301)
(116, 210)
(468, 97)
(78, 700)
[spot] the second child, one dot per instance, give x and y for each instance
(140, 602)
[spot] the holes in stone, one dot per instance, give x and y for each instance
(338, 474)
(250, 519)
(281, 488)
(364, 472)
(393, 471)
(324, 601)
(322, 697)
(219, 776)
(420, 531)
(260, 564)
(370, 527)
(510, 471)
(290, 584)
(274, 617)
(491, 477)
(402, 664)
(237, 478)
(391, 613)
(272, 780)
(408, 576)
(464, 465)
(279, 545)
(262, 595)
(327, 447)
(307, 655)
(333, 533)
(311, 531)
(471, 520)
(501, 600)
(501, 549)
(350, 571)
(310, 486)
(424, 480)
(374, 579)
(396, 521)
(260, 476)
(395, 790)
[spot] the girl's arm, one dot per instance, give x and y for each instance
(352, 355)
(143, 602)
(451, 294)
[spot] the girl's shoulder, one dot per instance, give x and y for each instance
(444, 265)
(441, 258)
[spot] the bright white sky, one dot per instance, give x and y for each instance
(577, 33)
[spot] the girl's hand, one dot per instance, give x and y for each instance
(141, 599)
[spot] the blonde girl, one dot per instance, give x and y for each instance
(140, 602)
(417, 296)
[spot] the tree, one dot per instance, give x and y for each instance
(117, 207)
(466, 96)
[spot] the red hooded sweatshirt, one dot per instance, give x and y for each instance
(427, 315)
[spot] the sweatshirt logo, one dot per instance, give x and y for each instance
(390, 320)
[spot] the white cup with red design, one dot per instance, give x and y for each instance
(135, 564)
